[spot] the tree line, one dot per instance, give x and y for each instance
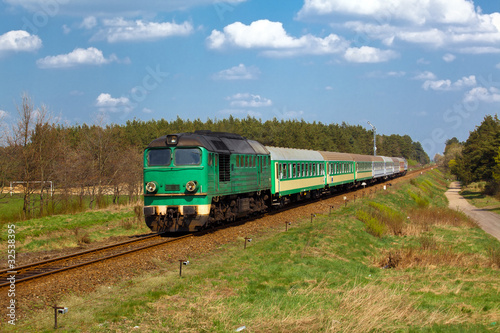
(478, 158)
(90, 161)
(285, 133)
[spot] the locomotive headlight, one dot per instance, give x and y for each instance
(151, 187)
(191, 186)
(172, 140)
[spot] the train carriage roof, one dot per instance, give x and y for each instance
(332, 156)
(395, 159)
(364, 158)
(290, 154)
(219, 142)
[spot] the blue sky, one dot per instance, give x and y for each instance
(429, 69)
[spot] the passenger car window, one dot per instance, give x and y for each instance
(159, 157)
(188, 156)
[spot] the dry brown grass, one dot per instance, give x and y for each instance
(82, 236)
(494, 256)
(421, 219)
(431, 255)
(372, 308)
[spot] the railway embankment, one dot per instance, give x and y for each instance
(393, 259)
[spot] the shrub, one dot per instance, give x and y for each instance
(82, 237)
(373, 226)
(427, 242)
(127, 224)
(419, 200)
(138, 211)
(494, 256)
(393, 219)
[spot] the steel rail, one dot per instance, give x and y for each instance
(69, 256)
(32, 268)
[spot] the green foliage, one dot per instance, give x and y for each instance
(11, 207)
(478, 160)
(373, 225)
(420, 200)
(391, 218)
(412, 163)
(283, 133)
(55, 232)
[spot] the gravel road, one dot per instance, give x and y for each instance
(488, 221)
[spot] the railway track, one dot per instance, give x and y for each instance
(56, 265)
(60, 264)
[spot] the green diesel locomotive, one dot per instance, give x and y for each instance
(195, 180)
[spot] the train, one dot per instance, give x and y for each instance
(199, 180)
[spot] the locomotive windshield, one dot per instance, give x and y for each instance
(159, 157)
(191, 156)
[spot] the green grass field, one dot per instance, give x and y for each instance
(429, 270)
(11, 207)
(73, 230)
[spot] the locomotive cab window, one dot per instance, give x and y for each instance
(159, 157)
(187, 156)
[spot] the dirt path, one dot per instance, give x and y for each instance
(488, 221)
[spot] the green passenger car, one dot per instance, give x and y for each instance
(340, 170)
(297, 173)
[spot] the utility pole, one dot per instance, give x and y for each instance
(374, 139)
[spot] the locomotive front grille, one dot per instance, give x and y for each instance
(172, 187)
(189, 210)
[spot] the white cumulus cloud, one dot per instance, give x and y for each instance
(106, 103)
(447, 85)
(488, 95)
(19, 41)
(244, 100)
(448, 24)
(89, 22)
(273, 39)
(448, 57)
(121, 30)
(437, 85)
(368, 54)
(240, 72)
(89, 56)
(416, 11)
(425, 76)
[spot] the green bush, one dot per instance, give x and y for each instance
(420, 201)
(392, 219)
(372, 225)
